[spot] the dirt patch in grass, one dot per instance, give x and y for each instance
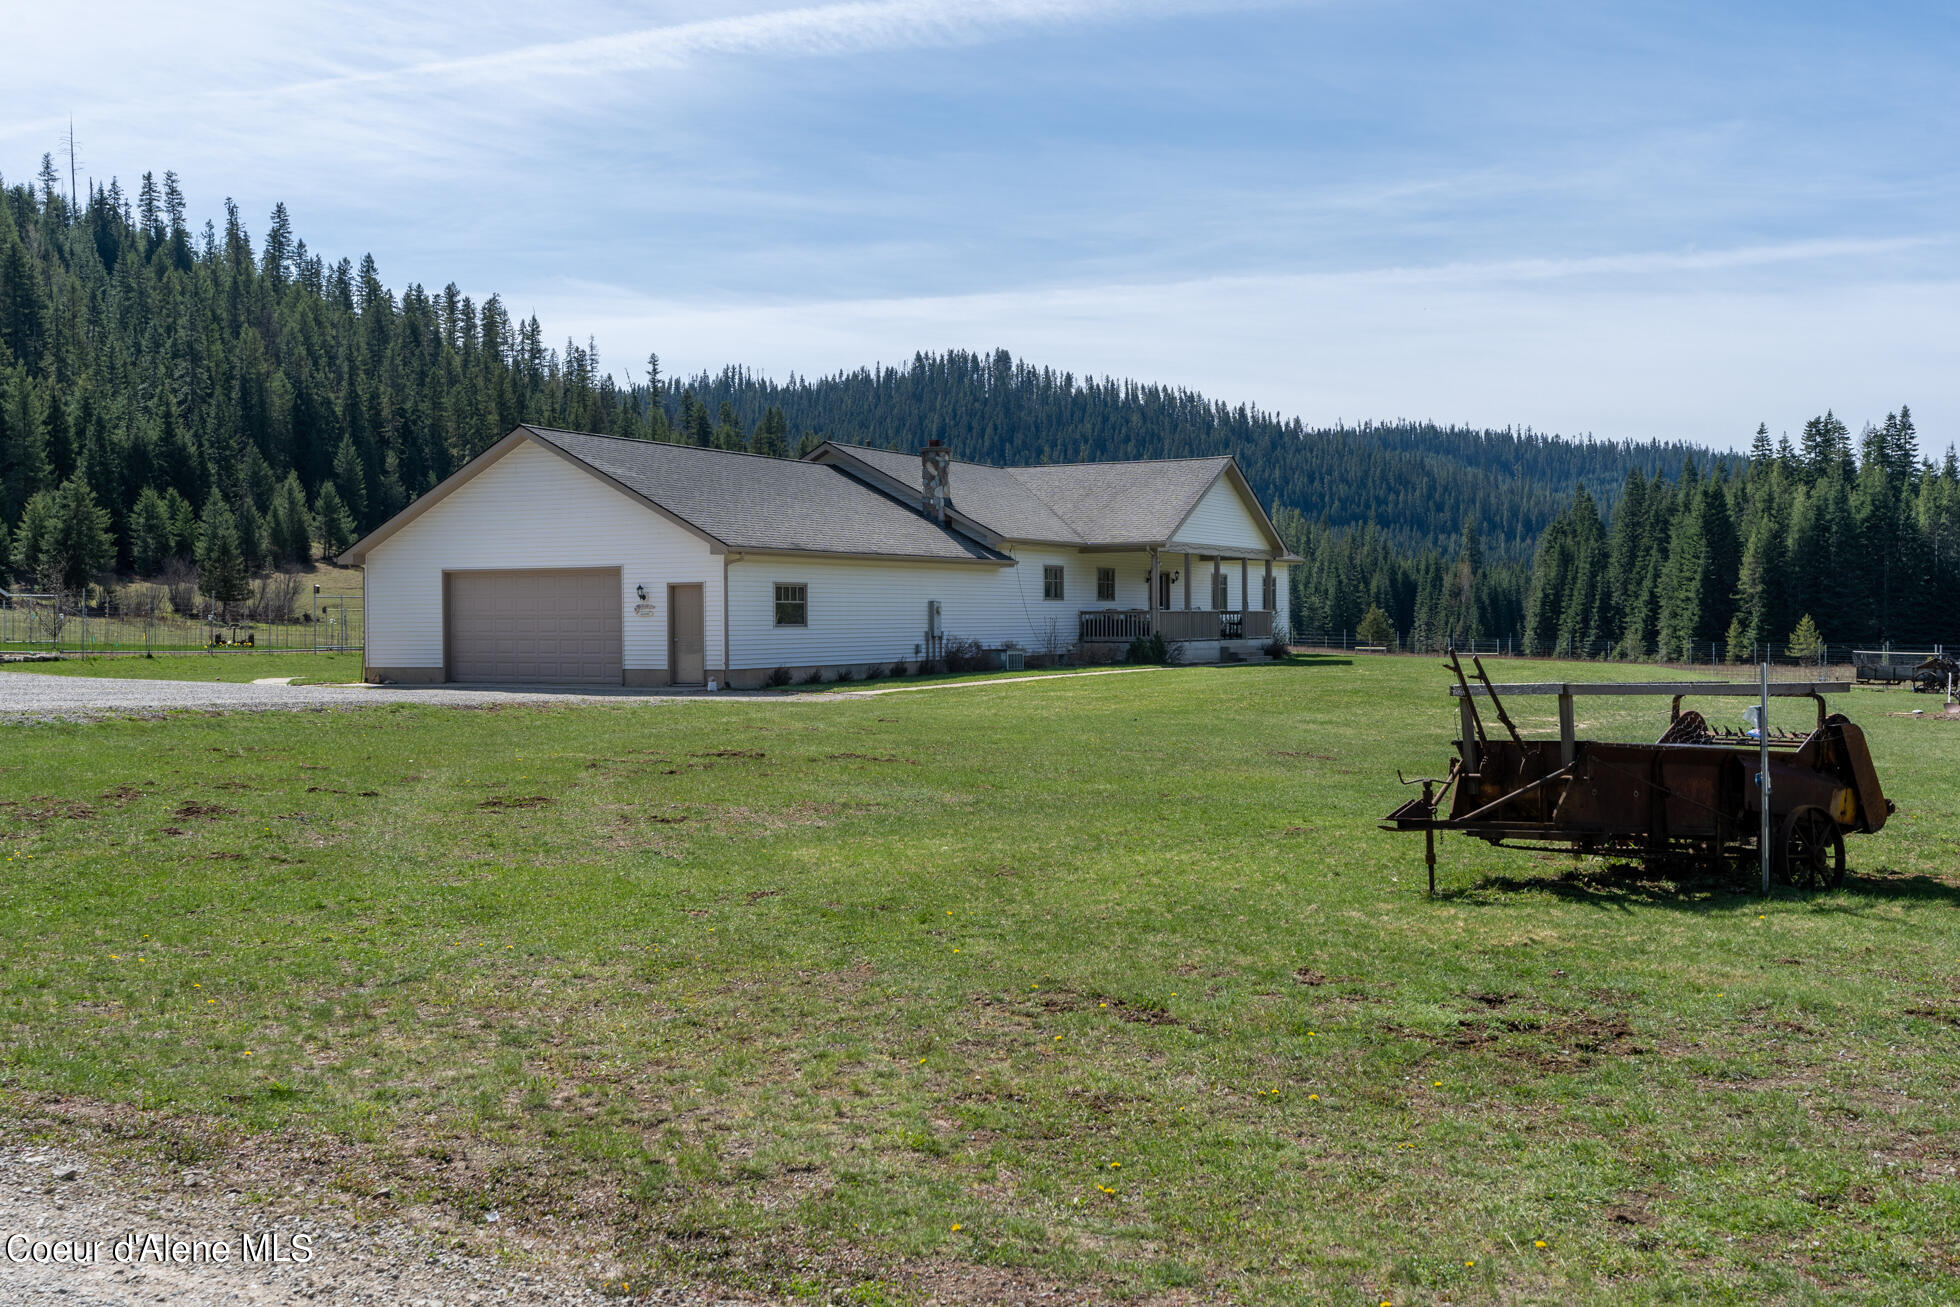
(1540, 1040)
(41, 809)
(121, 795)
(195, 811)
(502, 803)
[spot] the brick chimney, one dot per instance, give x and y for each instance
(936, 467)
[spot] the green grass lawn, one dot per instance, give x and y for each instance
(219, 666)
(1108, 983)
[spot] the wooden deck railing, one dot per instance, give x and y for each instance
(1121, 625)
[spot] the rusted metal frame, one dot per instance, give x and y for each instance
(1495, 702)
(1518, 793)
(1659, 790)
(1468, 705)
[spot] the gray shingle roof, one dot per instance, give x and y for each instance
(750, 502)
(1071, 503)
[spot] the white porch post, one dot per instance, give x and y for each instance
(1187, 583)
(1217, 570)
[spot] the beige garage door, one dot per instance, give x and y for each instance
(549, 626)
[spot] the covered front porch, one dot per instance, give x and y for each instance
(1193, 598)
(1177, 625)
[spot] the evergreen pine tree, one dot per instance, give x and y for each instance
(290, 524)
(220, 564)
(78, 544)
(31, 534)
(149, 533)
(771, 434)
(336, 523)
(1761, 453)
(1375, 627)
(255, 547)
(350, 482)
(183, 525)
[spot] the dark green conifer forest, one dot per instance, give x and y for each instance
(171, 396)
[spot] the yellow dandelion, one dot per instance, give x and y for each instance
(956, 1228)
(1469, 1263)
(1313, 1098)
(1538, 1243)
(922, 1061)
(1437, 1083)
(1117, 1166)
(248, 1052)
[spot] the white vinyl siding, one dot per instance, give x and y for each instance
(863, 611)
(533, 509)
(1222, 520)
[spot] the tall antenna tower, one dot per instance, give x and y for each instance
(74, 200)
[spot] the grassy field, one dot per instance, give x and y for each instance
(1106, 983)
(220, 666)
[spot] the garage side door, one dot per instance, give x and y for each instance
(547, 626)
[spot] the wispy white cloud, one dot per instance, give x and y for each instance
(812, 31)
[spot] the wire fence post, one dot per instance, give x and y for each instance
(1762, 778)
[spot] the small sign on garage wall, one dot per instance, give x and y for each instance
(643, 610)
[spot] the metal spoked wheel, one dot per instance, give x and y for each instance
(1811, 853)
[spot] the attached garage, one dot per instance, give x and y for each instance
(545, 625)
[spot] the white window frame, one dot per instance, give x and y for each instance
(1105, 585)
(1056, 574)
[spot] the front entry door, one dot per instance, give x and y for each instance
(686, 663)
(1164, 590)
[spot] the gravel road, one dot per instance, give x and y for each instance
(30, 696)
(53, 1197)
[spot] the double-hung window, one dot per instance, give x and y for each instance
(1105, 585)
(1051, 582)
(792, 605)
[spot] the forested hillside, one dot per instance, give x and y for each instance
(171, 397)
(1416, 483)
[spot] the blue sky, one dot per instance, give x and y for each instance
(1642, 220)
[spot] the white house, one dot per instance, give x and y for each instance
(564, 557)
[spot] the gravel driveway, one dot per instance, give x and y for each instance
(54, 1197)
(29, 696)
